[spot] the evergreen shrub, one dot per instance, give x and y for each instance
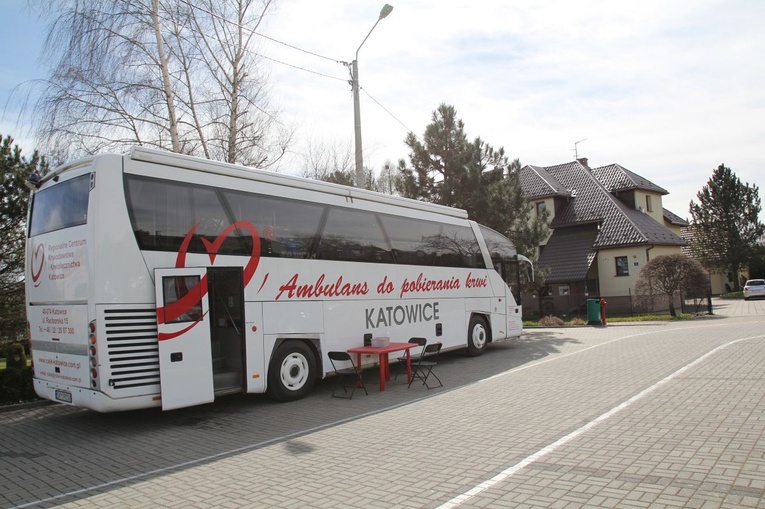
(17, 358)
(16, 386)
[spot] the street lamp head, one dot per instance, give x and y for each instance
(385, 11)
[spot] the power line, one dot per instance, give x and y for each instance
(389, 113)
(254, 32)
(300, 68)
(291, 46)
(299, 49)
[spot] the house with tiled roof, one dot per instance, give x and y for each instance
(606, 223)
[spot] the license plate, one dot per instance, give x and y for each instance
(63, 396)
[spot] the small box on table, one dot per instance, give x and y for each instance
(380, 342)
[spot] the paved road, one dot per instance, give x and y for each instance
(660, 415)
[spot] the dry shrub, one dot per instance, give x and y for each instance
(551, 321)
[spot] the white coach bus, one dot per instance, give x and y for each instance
(156, 279)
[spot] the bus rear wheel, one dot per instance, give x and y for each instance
(292, 371)
(478, 336)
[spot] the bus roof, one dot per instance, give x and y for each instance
(238, 171)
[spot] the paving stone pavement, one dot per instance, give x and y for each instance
(659, 415)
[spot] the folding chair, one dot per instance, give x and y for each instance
(343, 373)
(414, 356)
(423, 370)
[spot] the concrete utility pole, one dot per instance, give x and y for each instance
(387, 8)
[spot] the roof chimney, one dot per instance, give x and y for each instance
(582, 161)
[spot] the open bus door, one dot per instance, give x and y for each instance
(183, 327)
(514, 271)
(525, 274)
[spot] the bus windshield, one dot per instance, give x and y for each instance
(505, 259)
(60, 206)
(500, 247)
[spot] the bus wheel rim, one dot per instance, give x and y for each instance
(294, 371)
(479, 336)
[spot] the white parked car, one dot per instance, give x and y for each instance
(754, 288)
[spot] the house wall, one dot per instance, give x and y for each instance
(719, 279)
(617, 289)
(663, 250)
(550, 206)
(676, 229)
(610, 283)
(656, 211)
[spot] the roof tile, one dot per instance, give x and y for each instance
(591, 202)
(618, 178)
(537, 183)
(569, 254)
(673, 218)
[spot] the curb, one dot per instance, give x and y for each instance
(26, 404)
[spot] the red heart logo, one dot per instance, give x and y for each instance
(37, 273)
(184, 304)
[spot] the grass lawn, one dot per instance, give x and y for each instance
(2, 363)
(546, 322)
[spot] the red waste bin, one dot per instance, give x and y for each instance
(603, 305)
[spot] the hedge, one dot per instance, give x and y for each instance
(16, 386)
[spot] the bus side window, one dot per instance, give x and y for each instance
(353, 235)
(458, 247)
(212, 220)
(408, 238)
(287, 228)
(163, 214)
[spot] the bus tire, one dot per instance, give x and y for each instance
(292, 371)
(478, 336)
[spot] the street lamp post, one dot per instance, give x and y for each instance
(387, 8)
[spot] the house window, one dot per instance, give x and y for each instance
(648, 204)
(622, 266)
(541, 207)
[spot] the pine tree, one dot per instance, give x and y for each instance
(725, 223)
(14, 201)
(448, 169)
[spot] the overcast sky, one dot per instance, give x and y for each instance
(668, 89)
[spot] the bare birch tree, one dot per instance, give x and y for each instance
(335, 163)
(322, 160)
(389, 179)
(171, 74)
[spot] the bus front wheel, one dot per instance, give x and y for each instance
(478, 336)
(291, 373)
